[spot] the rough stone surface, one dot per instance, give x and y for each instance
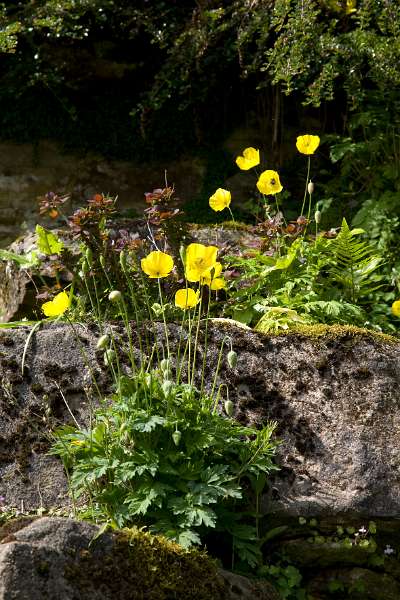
(336, 401)
(59, 559)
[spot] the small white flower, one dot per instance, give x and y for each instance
(362, 530)
(388, 550)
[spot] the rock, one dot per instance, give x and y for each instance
(357, 583)
(61, 559)
(335, 399)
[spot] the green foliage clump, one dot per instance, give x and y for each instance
(160, 455)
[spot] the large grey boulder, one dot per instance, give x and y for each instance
(61, 559)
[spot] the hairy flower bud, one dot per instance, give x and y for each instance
(317, 217)
(176, 436)
(167, 387)
(102, 342)
(115, 296)
(229, 408)
(310, 188)
(89, 257)
(232, 359)
(123, 260)
(109, 357)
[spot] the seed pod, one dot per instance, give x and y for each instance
(310, 188)
(229, 408)
(115, 296)
(109, 357)
(232, 359)
(317, 217)
(89, 256)
(176, 436)
(102, 342)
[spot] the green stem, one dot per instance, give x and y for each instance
(306, 188)
(164, 319)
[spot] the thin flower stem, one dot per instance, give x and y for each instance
(196, 339)
(233, 218)
(306, 188)
(203, 368)
(164, 319)
(218, 368)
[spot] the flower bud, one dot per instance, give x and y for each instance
(102, 261)
(109, 357)
(102, 342)
(167, 387)
(317, 217)
(176, 436)
(229, 408)
(89, 256)
(123, 260)
(165, 364)
(232, 359)
(85, 268)
(310, 187)
(115, 296)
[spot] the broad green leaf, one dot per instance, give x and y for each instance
(47, 242)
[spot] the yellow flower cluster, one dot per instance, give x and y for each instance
(201, 267)
(268, 182)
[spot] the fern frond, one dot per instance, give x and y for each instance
(355, 264)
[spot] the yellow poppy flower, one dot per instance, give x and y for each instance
(250, 159)
(220, 199)
(269, 183)
(199, 260)
(157, 264)
(218, 284)
(208, 276)
(57, 306)
(396, 308)
(187, 298)
(307, 144)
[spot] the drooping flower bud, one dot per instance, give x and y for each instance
(176, 436)
(229, 408)
(89, 257)
(317, 217)
(232, 359)
(109, 357)
(123, 260)
(310, 187)
(115, 296)
(165, 365)
(167, 387)
(102, 342)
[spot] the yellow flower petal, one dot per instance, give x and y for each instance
(218, 284)
(157, 264)
(307, 144)
(211, 274)
(220, 199)
(57, 306)
(269, 183)
(186, 298)
(396, 308)
(250, 159)
(199, 260)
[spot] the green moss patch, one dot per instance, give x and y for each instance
(144, 566)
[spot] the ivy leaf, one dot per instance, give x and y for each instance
(47, 242)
